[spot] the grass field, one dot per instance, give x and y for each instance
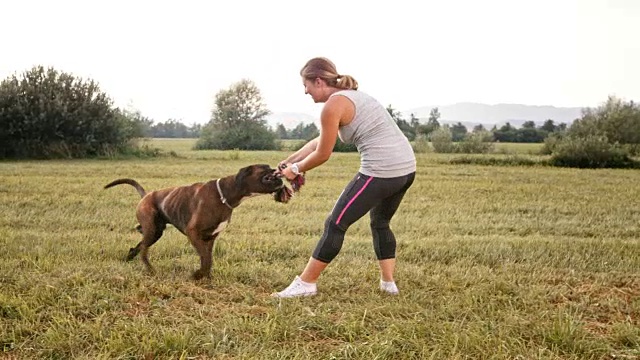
(493, 263)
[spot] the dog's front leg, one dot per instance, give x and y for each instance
(204, 247)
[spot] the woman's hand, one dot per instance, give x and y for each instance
(286, 171)
(281, 165)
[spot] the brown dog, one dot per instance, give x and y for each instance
(200, 211)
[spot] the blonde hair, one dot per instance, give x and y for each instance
(324, 69)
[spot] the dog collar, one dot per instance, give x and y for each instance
(222, 198)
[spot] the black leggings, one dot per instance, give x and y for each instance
(379, 196)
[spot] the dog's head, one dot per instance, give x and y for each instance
(258, 179)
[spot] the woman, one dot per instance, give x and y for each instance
(387, 170)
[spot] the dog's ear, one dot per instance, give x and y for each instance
(242, 174)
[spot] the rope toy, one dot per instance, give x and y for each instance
(284, 194)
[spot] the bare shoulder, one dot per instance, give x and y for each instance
(341, 107)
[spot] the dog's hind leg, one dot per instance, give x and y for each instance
(149, 239)
(134, 251)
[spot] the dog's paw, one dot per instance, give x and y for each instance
(133, 252)
(199, 275)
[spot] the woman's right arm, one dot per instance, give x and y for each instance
(307, 149)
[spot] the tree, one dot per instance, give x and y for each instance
(606, 136)
(529, 125)
(432, 123)
(506, 133)
(618, 120)
(195, 130)
(406, 128)
(549, 126)
(507, 127)
(458, 132)
(46, 113)
(238, 121)
(529, 135)
(485, 135)
(395, 115)
(478, 128)
(414, 122)
(434, 116)
(282, 132)
(310, 131)
(170, 129)
(297, 132)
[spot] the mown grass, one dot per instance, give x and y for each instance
(493, 263)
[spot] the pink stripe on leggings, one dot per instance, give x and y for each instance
(353, 199)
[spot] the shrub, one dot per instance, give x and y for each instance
(51, 114)
(238, 121)
(247, 136)
(550, 143)
(616, 119)
(475, 143)
(421, 144)
(338, 147)
(591, 151)
(342, 147)
(442, 140)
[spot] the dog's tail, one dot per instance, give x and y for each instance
(129, 182)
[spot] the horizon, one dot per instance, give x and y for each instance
(169, 60)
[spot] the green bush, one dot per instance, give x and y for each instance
(475, 143)
(442, 140)
(51, 114)
(550, 143)
(616, 119)
(472, 143)
(338, 147)
(342, 147)
(421, 145)
(246, 136)
(632, 149)
(238, 121)
(590, 151)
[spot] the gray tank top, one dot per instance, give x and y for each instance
(384, 150)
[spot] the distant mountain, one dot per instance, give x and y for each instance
(471, 114)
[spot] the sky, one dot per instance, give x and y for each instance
(168, 59)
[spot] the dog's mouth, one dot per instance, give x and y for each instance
(273, 180)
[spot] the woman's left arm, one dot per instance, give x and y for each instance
(330, 117)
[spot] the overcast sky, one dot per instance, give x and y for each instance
(169, 59)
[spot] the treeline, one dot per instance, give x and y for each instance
(50, 114)
(171, 129)
(529, 132)
(176, 129)
(301, 131)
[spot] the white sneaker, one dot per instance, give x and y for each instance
(297, 288)
(389, 287)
